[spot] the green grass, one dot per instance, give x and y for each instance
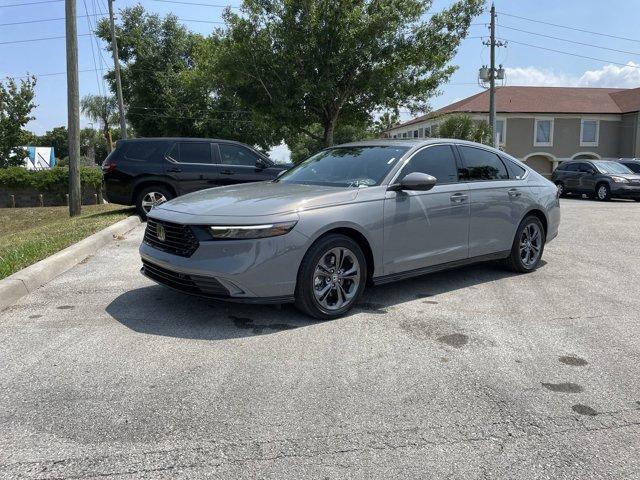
(27, 235)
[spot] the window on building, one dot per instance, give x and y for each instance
(589, 130)
(482, 165)
(404, 135)
(415, 134)
(421, 133)
(501, 133)
(543, 135)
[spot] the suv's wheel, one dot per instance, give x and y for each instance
(528, 246)
(150, 197)
(331, 277)
(603, 192)
(561, 190)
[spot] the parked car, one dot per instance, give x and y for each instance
(146, 172)
(632, 164)
(601, 179)
(366, 212)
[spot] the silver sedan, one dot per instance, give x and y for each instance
(355, 214)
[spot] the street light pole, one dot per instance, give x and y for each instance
(492, 77)
(116, 66)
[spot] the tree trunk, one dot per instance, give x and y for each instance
(329, 126)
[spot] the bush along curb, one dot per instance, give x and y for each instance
(25, 281)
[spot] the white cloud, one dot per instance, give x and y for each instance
(280, 153)
(613, 76)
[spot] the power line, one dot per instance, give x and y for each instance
(570, 28)
(46, 20)
(195, 3)
(569, 41)
(572, 54)
(42, 39)
(29, 3)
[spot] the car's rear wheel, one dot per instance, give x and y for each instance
(528, 246)
(603, 192)
(150, 197)
(331, 278)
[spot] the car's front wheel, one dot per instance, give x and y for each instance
(331, 278)
(603, 192)
(528, 246)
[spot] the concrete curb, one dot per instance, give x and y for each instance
(25, 281)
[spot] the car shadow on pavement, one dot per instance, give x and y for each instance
(158, 310)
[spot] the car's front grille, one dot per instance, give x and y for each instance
(198, 284)
(177, 239)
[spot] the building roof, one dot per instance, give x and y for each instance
(546, 100)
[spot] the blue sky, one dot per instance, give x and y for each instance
(525, 65)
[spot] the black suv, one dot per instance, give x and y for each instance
(601, 179)
(148, 171)
(632, 164)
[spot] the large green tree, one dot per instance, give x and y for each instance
(16, 104)
(167, 84)
(99, 108)
(58, 138)
(303, 63)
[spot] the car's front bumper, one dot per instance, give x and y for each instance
(622, 190)
(258, 271)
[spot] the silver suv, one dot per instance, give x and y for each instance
(366, 212)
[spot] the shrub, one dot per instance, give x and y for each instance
(54, 180)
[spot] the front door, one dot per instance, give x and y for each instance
(498, 201)
(423, 229)
(240, 164)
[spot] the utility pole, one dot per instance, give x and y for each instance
(116, 66)
(492, 78)
(492, 73)
(73, 108)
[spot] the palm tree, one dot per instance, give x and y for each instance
(101, 109)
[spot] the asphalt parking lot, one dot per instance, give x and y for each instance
(473, 373)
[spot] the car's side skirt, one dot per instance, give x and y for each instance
(381, 280)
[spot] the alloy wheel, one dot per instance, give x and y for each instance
(530, 245)
(602, 192)
(336, 278)
(152, 199)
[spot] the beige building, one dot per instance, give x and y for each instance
(544, 126)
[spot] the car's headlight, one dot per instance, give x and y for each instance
(239, 232)
(619, 180)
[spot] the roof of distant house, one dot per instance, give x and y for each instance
(546, 100)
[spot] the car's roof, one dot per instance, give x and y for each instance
(180, 139)
(408, 142)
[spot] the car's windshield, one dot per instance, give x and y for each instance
(611, 167)
(361, 166)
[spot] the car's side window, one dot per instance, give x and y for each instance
(515, 170)
(585, 168)
(193, 152)
(140, 150)
(437, 161)
(571, 167)
(236, 155)
(482, 165)
(634, 167)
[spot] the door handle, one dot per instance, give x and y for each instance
(514, 192)
(458, 197)
(174, 169)
(226, 172)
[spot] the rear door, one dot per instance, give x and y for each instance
(587, 178)
(422, 229)
(571, 177)
(498, 201)
(193, 165)
(240, 164)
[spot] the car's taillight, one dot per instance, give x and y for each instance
(109, 166)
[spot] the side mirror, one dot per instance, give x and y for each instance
(415, 181)
(261, 164)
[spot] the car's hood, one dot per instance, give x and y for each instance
(257, 199)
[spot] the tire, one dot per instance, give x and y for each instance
(160, 193)
(315, 275)
(526, 229)
(561, 189)
(603, 192)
